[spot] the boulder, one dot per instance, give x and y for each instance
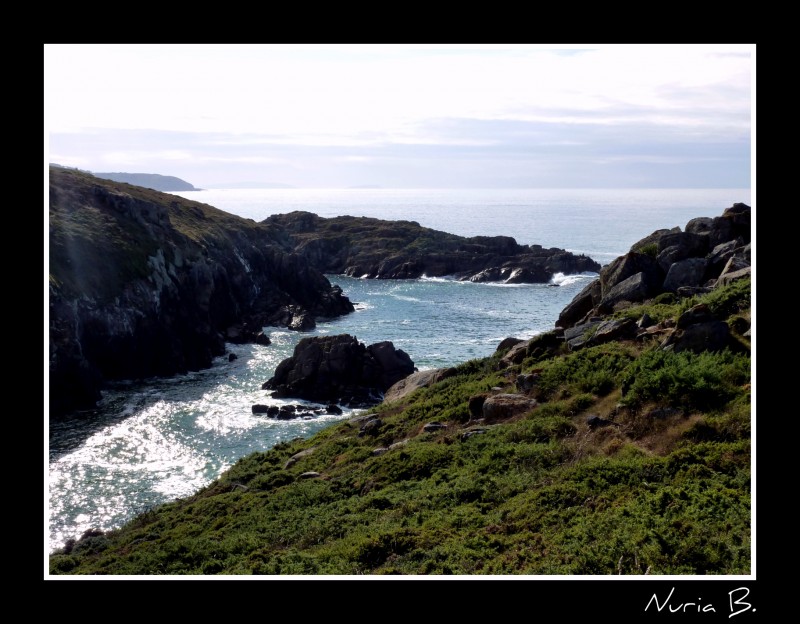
(415, 381)
(504, 406)
(475, 405)
(579, 335)
(691, 291)
(493, 274)
(629, 265)
(727, 278)
(386, 364)
(709, 336)
(507, 343)
(472, 432)
(340, 369)
(634, 288)
(736, 266)
(613, 329)
(696, 314)
(738, 216)
(689, 244)
(653, 238)
(526, 383)
(689, 272)
(700, 225)
(538, 346)
(515, 354)
(719, 256)
(580, 305)
(371, 427)
(298, 456)
(262, 339)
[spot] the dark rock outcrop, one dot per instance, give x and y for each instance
(581, 305)
(710, 252)
(148, 284)
(373, 248)
(708, 336)
(538, 347)
(340, 369)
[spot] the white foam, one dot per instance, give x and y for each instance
(559, 279)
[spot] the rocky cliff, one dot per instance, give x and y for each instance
(707, 253)
(635, 296)
(142, 283)
(373, 248)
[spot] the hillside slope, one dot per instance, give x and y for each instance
(626, 455)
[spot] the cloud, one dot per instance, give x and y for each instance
(322, 111)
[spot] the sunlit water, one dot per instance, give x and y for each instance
(153, 441)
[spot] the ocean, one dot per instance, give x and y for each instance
(151, 441)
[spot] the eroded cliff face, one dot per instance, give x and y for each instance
(143, 283)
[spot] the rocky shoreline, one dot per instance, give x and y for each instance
(662, 267)
(143, 283)
(378, 249)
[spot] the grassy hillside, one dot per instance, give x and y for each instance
(662, 488)
(76, 218)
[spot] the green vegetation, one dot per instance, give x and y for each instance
(663, 489)
(649, 249)
(724, 303)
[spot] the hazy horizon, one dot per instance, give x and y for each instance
(406, 115)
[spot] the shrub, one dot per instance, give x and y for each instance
(650, 249)
(594, 370)
(271, 480)
(701, 381)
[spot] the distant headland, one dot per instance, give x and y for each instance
(153, 181)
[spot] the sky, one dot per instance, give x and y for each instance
(406, 115)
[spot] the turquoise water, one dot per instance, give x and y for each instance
(154, 441)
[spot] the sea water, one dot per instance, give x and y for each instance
(152, 441)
